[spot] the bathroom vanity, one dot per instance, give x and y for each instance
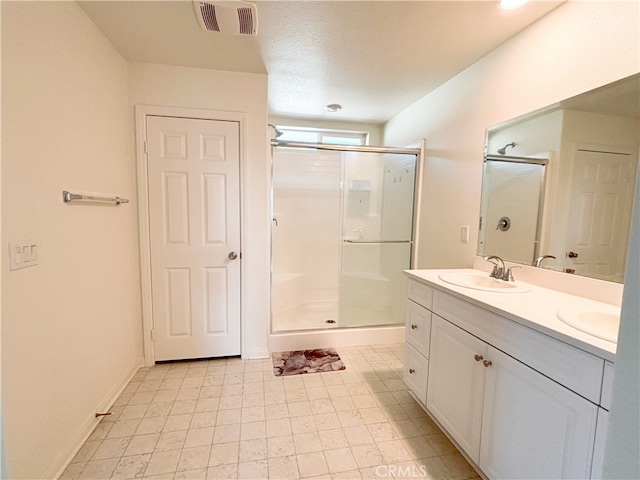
(522, 394)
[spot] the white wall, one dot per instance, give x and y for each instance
(578, 46)
(71, 335)
(164, 85)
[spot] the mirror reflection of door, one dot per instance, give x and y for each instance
(597, 232)
(510, 209)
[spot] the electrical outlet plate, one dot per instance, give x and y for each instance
(23, 255)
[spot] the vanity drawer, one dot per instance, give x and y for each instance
(569, 366)
(420, 293)
(418, 327)
(415, 373)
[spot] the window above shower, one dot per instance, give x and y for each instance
(319, 135)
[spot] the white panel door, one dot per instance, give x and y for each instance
(597, 226)
(194, 217)
(533, 427)
(456, 383)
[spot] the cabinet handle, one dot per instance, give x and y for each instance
(413, 326)
(487, 363)
(412, 371)
(477, 357)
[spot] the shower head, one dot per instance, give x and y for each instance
(503, 150)
(275, 129)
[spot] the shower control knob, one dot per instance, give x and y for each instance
(233, 255)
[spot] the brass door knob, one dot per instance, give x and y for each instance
(487, 363)
(477, 357)
(412, 371)
(413, 326)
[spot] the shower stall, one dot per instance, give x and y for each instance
(342, 233)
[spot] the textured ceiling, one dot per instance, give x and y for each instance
(373, 57)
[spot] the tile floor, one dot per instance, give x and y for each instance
(232, 418)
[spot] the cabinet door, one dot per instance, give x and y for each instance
(533, 427)
(456, 383)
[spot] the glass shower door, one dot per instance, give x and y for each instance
(377, 229)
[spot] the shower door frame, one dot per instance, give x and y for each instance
(417, 189)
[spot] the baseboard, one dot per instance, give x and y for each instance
(72, 447)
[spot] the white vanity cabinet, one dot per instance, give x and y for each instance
(519, 404)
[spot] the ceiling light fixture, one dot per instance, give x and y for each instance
(512, 4)
(333, 107)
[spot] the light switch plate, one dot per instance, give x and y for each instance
(23, 255)
(464, 233)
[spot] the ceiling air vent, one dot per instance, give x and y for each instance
(232, 18)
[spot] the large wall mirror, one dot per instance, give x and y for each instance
(558, 183)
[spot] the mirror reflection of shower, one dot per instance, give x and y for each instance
(503, 150)
(341, 237)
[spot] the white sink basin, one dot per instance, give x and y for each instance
(602, 323)
(484, 282)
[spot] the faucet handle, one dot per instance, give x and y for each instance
(508, 275)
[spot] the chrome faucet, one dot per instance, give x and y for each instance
(498, 268)
(500, 271)
(539, 260)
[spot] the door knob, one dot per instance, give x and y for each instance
(487, 363)
(477, 357)
(572, 255)
(233, 255)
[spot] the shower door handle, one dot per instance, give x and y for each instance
(233, 255)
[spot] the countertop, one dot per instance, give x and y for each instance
(535, 309)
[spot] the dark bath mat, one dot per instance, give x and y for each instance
(306, 361)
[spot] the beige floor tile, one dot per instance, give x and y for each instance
(278, 427)
(280, 446)
(333, 439)
(367, 455)
(194, 458)
(99, 469)
(312, 464)
(171, 441)
(358, 435)
(131, 466)
(226, 433)
(253, 470)
(197, 474)
(232, 418)
(198, 437)
(223, 454)
(111, 448)
(283, 468)
(251, 450)
(307, 442)
(163, 462)
(340, 460)
(141, 444)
